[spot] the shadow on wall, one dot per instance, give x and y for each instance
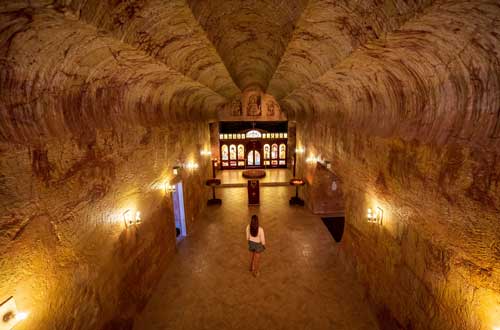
(323, 191)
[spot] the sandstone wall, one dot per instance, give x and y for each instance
(61, 77)
(89, 128)
(66, 255)
(329, 31)
(250, 36)
(165, 30)
(410, 124)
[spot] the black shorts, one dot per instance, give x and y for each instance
(255, 247)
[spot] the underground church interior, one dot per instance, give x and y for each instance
(138, 138)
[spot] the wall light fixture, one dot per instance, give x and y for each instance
(130, 219)
(375, 216)
(176, 170)
(312, 159)
(300, 150)
(169, 188)
(9, 315)
(206, 153)
(192, 166)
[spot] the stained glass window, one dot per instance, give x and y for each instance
(257, 158)
(232, 152)
(241, 152)
(274, 151)
(224, 151)
(253, 134)
(267, 151)
(282, 151)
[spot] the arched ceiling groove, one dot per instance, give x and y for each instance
(63, 77)
(166, 30)
(435, 80)
(329, 31)
(250, 36)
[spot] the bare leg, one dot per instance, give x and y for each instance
(256, 263)
(252, 257)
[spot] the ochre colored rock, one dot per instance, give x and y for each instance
(100, 100)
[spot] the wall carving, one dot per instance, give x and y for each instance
(252, 105)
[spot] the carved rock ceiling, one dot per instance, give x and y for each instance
(191, 54)
(416, 80)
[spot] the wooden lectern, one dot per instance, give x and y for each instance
(253, 192)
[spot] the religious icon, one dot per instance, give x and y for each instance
(267, 151)
(282, 151)
(241, 152)
(224, 152)
(253, 107)
(257, 158)
(236, 109)
(271, 106)
(232, 151)
(274, 151)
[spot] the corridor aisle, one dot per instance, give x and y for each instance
(301, 285)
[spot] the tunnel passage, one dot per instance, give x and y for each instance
(101, 100)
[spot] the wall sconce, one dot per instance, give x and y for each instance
(325, 163)
(9, 315)
(300, 150)
(176, 170)
(206, 153)
(311, 159)
(169, 188)
(192, 166)
(130, 220)
(375, 216)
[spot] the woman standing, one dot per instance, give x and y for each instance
(256, 243)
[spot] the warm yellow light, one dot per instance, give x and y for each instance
(369, 214)
(379, 215)
(169, 187)
(192, 166)
(312, 159)
(496, 327)
(300, 150)
(9, 315)
(205, 153)
(127, 218)
(131, 220)
(22, 316)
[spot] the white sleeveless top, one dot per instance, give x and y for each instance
(260, 238)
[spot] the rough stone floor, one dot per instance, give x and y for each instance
(301, 284)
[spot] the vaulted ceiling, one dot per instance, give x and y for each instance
(156, 59)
